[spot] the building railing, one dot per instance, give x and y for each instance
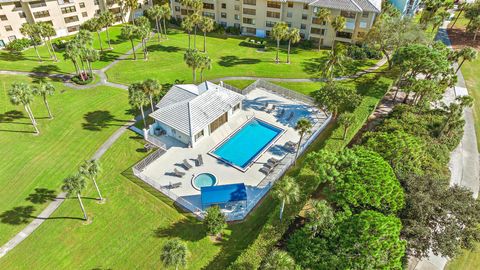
(154, 140)
(281, 91)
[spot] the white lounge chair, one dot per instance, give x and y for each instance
(186, 164)
(178, 173)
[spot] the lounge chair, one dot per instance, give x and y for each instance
(266, 170)
(199, 160)
(271, 109)
(178, 173)
(175, 185)
(273, 160)
(186, 164)
(265, 106)
(290, 116)
(290, 146)
(281, 113)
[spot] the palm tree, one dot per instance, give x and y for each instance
(335, 60)
(174, 253)
(131, 5)
(130, 32)
(44, 90)
(143, 32)
(122, 6)
(278, 260)
(90, 169)
(138, 99)
(207, 25)
(187, 25)
(94, 25)
(21, 93)
(107, 19)
(323, 15)
(196, 19)
(72, 52)
(74, 185)
(467, 54)
(293, 37)
(346, 120)
(166, 14)
(33, 32)
(303, 127)
(47, 31)
(279, 32)
(90, 55)
(193, 59)
(151, 88)
(205, 64)
(155, 14)
(287, 191)
(338, 24)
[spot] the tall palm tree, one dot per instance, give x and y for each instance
(303, 127)
(174, 253)
(72, 52)
(187, 25)
(44, 90)
(338, 24)
(21, 93)
(323, 14)
(287, 191)
(130, 32)
(207, 24)
(33, 32)
(467, 54)
(90, 169)
(94, 25)
(123, 8)
(151, 88)
(107, 19)
(143, 32)
(155, 13)
(279, 32)
(166, 15)
(131, 6)
(193, 59)
(196, 19)
(90, 55)
(47, 31)
(335, 61)
(74, 185)
(138, 99)
(278, 260)
(205, 64)
(293, 36)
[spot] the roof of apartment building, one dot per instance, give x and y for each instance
(347, 5)
(188, 108)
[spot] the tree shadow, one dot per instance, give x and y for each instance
(98, 120)
(41, 195)
(189, 229)
(313, 66)
(18, 215)
(108, 56)
(160, 47)
(11, 57)
(232, 60)
(10, 116)
(47, 71)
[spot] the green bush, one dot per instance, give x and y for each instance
(59, 44)
(78, 80)
(363, 52)
(18, 45)
(232, 30)
(250, 42)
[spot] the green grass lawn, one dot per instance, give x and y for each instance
(468, 260)
(33, 167)
(229, 58)
(241, 84)
(28, 61)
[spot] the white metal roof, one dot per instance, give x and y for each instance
(189, 108)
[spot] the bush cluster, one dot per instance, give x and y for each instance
(362, 52)
(253, 43)
(78, 80)
(18, 45)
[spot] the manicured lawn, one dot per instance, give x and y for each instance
(241, 84)
(28, 61)
(302, 87)
(470, 71)
(33, 167)
(469, 260)
(229, 58)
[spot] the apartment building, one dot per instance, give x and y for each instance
(66, 16)
(257, 17)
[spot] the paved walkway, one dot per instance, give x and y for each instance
(464, 160)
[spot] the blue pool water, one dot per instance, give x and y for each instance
(247, 143)
(204, 180)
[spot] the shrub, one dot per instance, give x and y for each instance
(233, 30)
(18, 45)
(59, 44)
(362, 52)
(214, 220)
(250, 42)
(305, 44)
(78, 80)
(219, 29)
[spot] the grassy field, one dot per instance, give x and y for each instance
(28, 61)
(33, 167)
(229, 58)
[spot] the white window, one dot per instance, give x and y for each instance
(199, 135)
(363, 24)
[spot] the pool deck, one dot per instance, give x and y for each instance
(161, 170)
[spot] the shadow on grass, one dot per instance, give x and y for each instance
(314, 66)
(160, 47)
(18, 215)
(98, 120)
(10, 116)
(188, 229)
(41, 195)
(232, 60)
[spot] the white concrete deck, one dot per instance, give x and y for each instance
(161, 170)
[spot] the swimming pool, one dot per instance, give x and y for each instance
(204, 180)
(245, 145)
